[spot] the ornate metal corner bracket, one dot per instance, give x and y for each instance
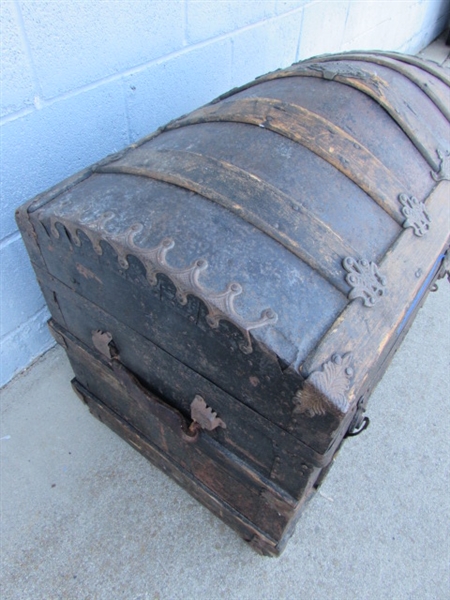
(326, 390)
(365, 280)
(444, 167)
(415, 213)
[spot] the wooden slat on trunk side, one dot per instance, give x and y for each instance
(257, 202)
(196, 488)
(254, 438)
(29, 235)
(317, 134)
(409, 267)
(254, 379)
(232, 480)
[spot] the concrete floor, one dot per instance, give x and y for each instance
(84, 516)
(438, 51)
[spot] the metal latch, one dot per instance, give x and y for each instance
(359, 422)
(103, 342)
(203, 415)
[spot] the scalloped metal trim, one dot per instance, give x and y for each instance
(415, 214)
(365, 280)
(326, 390)
(220, 305)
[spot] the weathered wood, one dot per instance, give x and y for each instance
(254, 200)
(315, 133)
(192, 485)
(428, 66)
(272, 450)
(429, 82)
(231, 288)
(410, 117)
(391, 93)
(410, 265)
(224, 474)
(29, 235)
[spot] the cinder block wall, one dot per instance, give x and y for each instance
(82, 79)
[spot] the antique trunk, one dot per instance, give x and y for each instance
(230, 289)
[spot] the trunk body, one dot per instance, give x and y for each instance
(230, 289)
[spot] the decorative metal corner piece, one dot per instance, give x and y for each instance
(220, 305)
(202, 414)
(326, 390)
(415, 213)
(444, 167)
(365, 280)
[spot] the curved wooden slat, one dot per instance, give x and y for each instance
(252, 199)
(317, 134)
(409, 268)
(292, 71)
(373, 86)
(426, 83)
(425, 65)
(394, 102)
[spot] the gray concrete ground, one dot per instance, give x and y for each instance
(438, 51)
(84, 516)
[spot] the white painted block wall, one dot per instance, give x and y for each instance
(83, 78)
